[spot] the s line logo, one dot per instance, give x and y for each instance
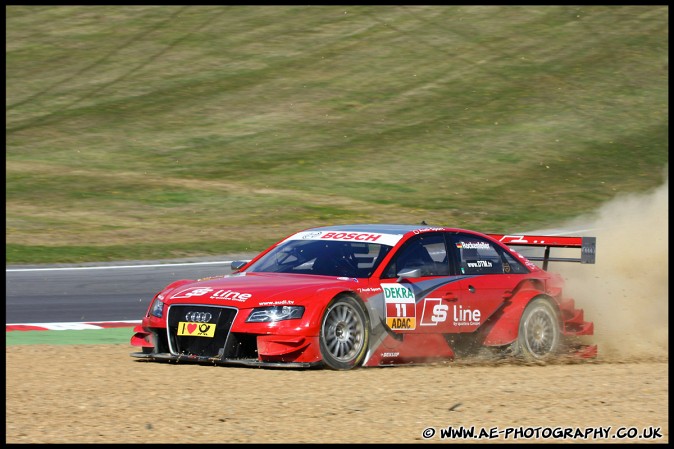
(434, 312)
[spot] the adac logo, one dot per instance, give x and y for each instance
(402, 323)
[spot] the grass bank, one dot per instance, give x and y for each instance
(160, 131)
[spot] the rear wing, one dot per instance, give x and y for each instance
(587, 246)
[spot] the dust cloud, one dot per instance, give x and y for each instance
(626, 292)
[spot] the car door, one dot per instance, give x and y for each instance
(420, 291)
(488, 279)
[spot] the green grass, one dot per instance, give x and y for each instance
(161, 131)
(70, 337)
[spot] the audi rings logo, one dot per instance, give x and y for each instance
(198, 317)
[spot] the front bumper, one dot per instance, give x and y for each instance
(229, 341)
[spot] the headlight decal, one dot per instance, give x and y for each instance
(275, 313)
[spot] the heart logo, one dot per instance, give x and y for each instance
(191, 327)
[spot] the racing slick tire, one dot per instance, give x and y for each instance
(344, 333)
(539, 336)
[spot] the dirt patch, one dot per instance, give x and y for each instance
(99, 394)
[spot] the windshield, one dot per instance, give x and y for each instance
(349, 259)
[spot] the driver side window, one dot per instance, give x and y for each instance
(424, 252)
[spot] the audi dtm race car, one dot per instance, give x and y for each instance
(372, 295)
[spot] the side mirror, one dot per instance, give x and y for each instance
(409, 273)
(237, 264)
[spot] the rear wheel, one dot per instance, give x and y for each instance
(345, 333)
(539, 335)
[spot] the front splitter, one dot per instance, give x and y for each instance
(182, 358)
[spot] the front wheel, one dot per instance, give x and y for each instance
(539, 335)
(344, 334)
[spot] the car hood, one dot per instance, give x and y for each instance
(244, 290)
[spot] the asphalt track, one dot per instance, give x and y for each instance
(114, 292)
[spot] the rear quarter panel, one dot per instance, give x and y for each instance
(503, 326)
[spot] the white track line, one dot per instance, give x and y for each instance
(75, 322)
(86, 325)
(112, 267)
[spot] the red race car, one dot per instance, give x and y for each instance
(372, 295)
